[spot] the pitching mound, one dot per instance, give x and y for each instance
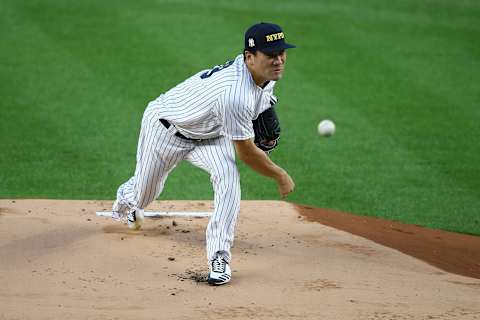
(60, 261)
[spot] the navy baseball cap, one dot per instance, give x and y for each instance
(266, 37)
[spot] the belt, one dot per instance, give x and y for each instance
(167, 125)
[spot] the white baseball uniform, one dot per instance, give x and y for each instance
(214, 107)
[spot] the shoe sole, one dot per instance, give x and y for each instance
(217, 282)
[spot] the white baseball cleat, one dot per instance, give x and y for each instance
(220, 272)
(135, 219)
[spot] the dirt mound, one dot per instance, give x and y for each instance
(59, 260)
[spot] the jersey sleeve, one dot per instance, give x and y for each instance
(237, 119)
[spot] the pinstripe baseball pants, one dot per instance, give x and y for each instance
(158, 153)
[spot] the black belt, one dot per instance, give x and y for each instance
(167, 125)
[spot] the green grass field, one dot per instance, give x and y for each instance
(400, 79)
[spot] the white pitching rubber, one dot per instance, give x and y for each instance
(158, 214)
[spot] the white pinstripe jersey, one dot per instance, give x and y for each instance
(220, 101)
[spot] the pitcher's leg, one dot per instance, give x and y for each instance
(157, 155)
(218, 158)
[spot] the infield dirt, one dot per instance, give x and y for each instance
(58, 260)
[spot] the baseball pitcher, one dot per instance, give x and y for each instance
(208, 119)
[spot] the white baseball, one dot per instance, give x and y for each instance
(326, 128)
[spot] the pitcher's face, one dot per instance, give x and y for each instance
(266, 67)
